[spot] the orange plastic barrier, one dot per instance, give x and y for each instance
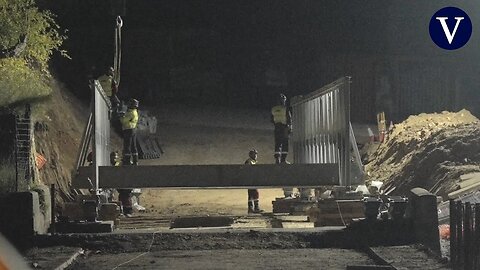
(444, 231)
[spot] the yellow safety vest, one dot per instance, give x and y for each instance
(279, 114)
(106, 83)
(251, 161)
(130, 119)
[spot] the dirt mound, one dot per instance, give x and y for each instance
(429, 151)
(63, 118)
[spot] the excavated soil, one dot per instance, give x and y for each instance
(428, 150)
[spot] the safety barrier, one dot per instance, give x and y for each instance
(321, 127)
(464, 235)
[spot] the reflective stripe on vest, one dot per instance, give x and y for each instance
(250, 161)
(279, 114)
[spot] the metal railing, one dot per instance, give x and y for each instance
(464, 235)
(321, 127)
(23, 148)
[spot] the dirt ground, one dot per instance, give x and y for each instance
(430, 151)
(228, 259)
(210, 136)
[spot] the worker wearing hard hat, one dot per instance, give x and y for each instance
(281, 117)
(110, 87)
(129, 126)
(253, 195)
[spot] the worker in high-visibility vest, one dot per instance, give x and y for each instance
(253, 195)
(129, 126)
(281, 117)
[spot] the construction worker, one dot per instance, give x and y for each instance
(110, 87)
(129, 126)
(253, 195)
(90, 159)
(281, 117)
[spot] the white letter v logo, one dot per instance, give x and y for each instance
(443, 22)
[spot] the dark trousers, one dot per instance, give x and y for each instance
(282, 133)
(130, 142)
(253, 194)
(125, 197)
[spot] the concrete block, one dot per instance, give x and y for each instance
(85, 227)
(423, 212)
(90, 210)
(108, 211)
(336, 212)
(73, 210)
(42, 209)
(282, 205)
(21, 217)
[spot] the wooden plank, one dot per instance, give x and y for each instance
(460, 192)
(211, 176)
(473, 178)
(337, 215)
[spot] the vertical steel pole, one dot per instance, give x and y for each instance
(453, 233)
(94, 137)
(467, 229)
(476, 253)
(347, 130)
(53, 209)
(460, 238)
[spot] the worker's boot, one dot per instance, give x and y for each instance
(250, 207)
(277, 158)
(288, 193)
(256, 208)
(125, 197)
(135, 159)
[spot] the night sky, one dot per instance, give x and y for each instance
(243, 53)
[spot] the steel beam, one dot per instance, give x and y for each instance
(211, 176)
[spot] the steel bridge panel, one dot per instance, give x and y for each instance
(211, 176)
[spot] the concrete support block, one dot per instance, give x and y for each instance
(43, 211)
(85, 227)
(73, 210)
(108, 211)
(22, 217)
(423, 212)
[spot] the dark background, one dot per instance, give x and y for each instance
(243, 53)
